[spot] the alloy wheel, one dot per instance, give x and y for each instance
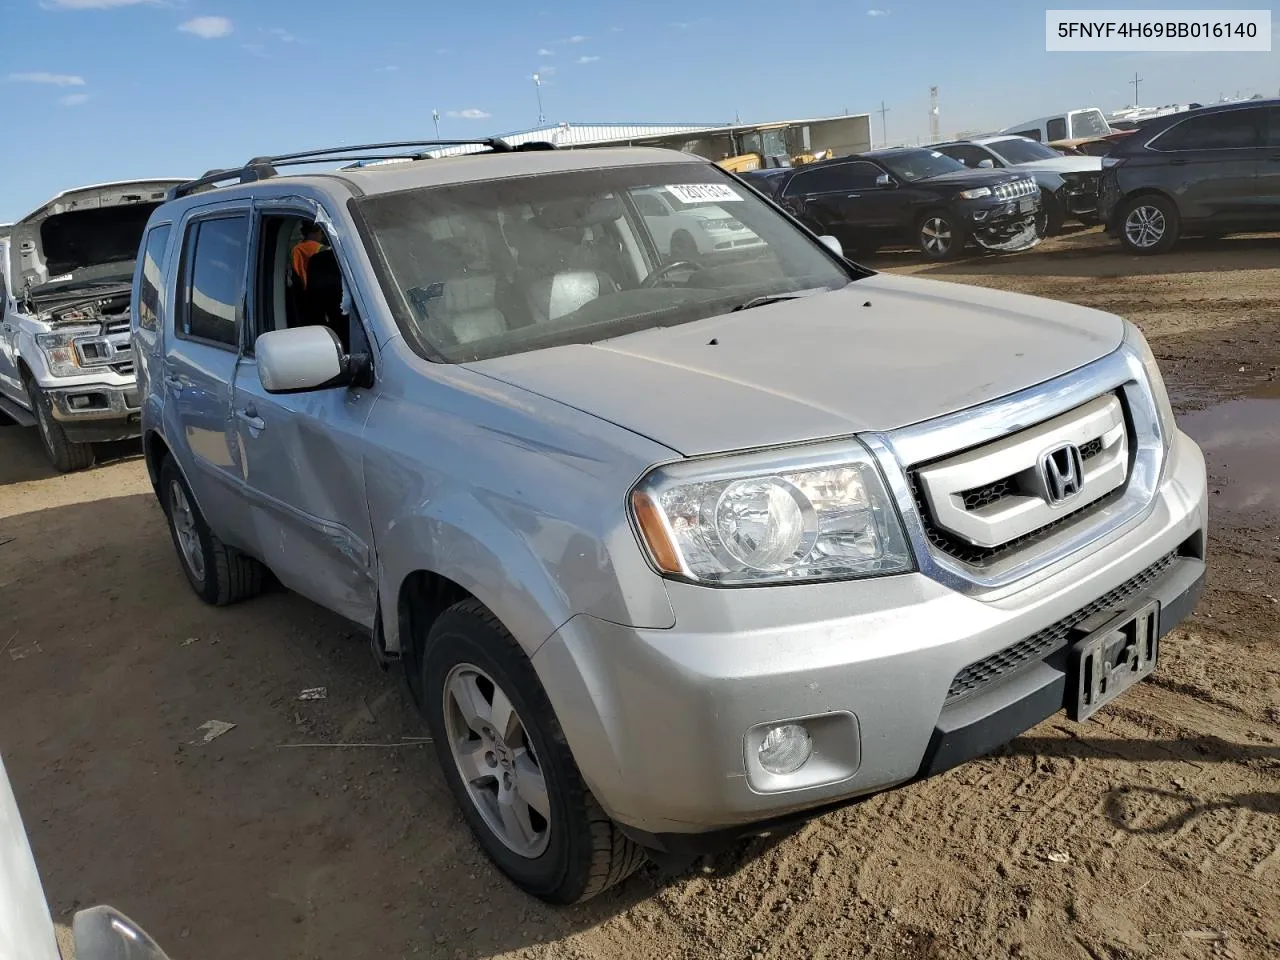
(495, 759)
(1145, 226)
(936, 236)
(183, 519)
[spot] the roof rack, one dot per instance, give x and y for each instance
(263, 168)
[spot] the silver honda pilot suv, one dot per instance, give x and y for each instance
(674, 546)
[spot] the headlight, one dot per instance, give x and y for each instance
(977, 193)
(1137, 343)
(810, 514)
(59, 349)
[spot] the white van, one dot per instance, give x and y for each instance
(1088, 123)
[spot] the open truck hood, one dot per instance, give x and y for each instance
(881, 353)
(89, 233)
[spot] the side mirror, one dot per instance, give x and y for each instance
(987, 164)
(101, 933)
(308, 358)
(832, 244)
(884, 180)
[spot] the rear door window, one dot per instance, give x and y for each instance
(1056, 129)
(213, 288)
(149, 292)
(1229, 130)
(966, 153)
(824, 180)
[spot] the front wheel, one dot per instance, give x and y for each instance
(1149, 224)
(508, 764)
(940, 237)
(65, 455)
(1049, 218)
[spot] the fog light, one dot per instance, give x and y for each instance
(785, 749)
(78, 403)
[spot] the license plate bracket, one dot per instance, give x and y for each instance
(1112, 658)
(1025, 205)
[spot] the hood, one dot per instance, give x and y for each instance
(882, 353)
(1061, 165)
(89, 233)
(971, 178)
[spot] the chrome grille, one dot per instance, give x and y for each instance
(1015, 190)
(1052, 638)
(980, 505)
(112, 327)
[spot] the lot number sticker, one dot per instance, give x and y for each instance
(702, 192)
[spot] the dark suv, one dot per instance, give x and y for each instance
(1206, 172)
(909, 195)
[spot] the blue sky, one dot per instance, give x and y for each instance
(94, 90)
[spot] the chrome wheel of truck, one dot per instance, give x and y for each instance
(496, 761)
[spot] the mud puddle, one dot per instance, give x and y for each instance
(1241, 443)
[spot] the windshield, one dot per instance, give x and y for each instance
(1089, 123)
(920, 164)
(485, 269)
(1022, 151)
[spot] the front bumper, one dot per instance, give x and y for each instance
(661, 721)
(1006, 226)
(96, 412)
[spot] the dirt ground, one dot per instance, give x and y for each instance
(1152, 832)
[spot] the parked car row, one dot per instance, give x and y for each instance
(1207, 171)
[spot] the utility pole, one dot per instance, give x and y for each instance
(935, 119)
(1134, 83)
(435, 118)
(537, 85)
(884, 126)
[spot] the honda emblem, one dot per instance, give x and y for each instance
(1062, 470)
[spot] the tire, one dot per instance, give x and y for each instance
(683, 246)
(939, 236)
(1049, 219)
(568, 853)
(219, 574)
(65, 455)
(1149, 224)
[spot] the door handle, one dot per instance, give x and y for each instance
(852, 196)
(250, 416)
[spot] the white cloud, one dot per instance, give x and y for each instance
(587, 59)
(284, 36)
(471, 113)
(577, 38)
(547, 71)
(877, 13)
(74, 99)
(91, 4)
(208, 28)
(544, 52)
(52, 79)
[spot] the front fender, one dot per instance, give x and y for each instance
(518, 499)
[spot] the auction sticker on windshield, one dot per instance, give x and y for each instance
(702, 192)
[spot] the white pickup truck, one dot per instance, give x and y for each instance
(66, 357)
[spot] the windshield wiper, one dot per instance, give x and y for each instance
(765, 301)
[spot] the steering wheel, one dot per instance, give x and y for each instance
(652, 279)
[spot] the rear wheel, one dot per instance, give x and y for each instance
(1149, 224)
(219, 574)
(508, 764)
(939, 236)
(65, 455)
